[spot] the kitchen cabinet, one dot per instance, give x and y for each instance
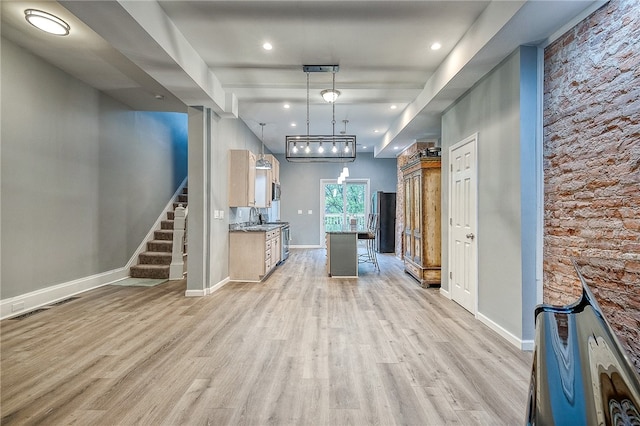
(242, 178)
(422, 230)
(264, 181)
(253, 254)
(275, 168)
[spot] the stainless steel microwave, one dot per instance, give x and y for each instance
(275, 191)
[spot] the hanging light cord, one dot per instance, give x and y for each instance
(307, 106)
(333, 104)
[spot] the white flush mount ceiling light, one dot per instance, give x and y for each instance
(267, 46)
(47, 22)
(436, 46)
(330, 95)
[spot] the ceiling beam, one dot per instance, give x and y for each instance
(144, 33)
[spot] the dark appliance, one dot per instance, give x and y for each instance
(285, 235)
(275, 188)
(384, 205)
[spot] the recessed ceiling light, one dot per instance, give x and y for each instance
(47, 22)
(287, 106)
(394, 106)
(267, 46)
(293, 124)
(364, 147)
(376, 131)
(396, 147)
(159, 97)
(436, 46)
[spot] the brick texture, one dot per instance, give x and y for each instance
(404, 158)
(592, 166)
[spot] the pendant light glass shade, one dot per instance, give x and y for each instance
(330, 95)
(263, 163)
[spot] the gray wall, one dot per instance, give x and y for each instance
(501, 108)
(300, 183)
(210, 139)
(83, 177)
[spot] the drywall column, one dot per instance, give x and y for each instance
(197, 220)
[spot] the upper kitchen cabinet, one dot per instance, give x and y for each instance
(264, 182)
(275, 168)
(242, 178)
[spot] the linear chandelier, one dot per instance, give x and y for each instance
(321, 148)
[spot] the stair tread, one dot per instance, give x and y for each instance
(150, 266)
(156, 253)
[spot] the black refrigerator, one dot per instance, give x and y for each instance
(384, 205)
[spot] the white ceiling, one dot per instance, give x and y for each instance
(210, 53)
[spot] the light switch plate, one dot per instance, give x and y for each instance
(299, 211)
(221, 214)
(216, 214)
(310, 212)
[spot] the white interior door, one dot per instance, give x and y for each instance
(463, 276)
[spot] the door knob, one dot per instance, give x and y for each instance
(470, 236)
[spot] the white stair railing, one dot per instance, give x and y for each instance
(176, 270)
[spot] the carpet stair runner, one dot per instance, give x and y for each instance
(154, 263)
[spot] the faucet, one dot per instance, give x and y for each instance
(253, 212)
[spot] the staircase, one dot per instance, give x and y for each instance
(154, 263)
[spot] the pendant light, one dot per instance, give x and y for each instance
(345, 170)
(324, 147)
(263, 163)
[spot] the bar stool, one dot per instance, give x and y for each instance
(370, 241)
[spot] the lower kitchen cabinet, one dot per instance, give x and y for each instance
(253, 254)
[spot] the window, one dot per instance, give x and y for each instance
(342, 203)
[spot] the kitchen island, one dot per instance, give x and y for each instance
(342, 254)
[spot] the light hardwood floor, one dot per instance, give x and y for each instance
(300, 348)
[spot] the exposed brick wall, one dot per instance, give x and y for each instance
(592, 165)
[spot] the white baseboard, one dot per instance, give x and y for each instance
(46, 296)
(525, 345)
(219, 285)
(306, 247)
(445, 293)
(27, 302)
(207, 291)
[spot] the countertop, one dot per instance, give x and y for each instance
(266, 227)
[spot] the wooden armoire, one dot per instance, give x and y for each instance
(422, 230)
